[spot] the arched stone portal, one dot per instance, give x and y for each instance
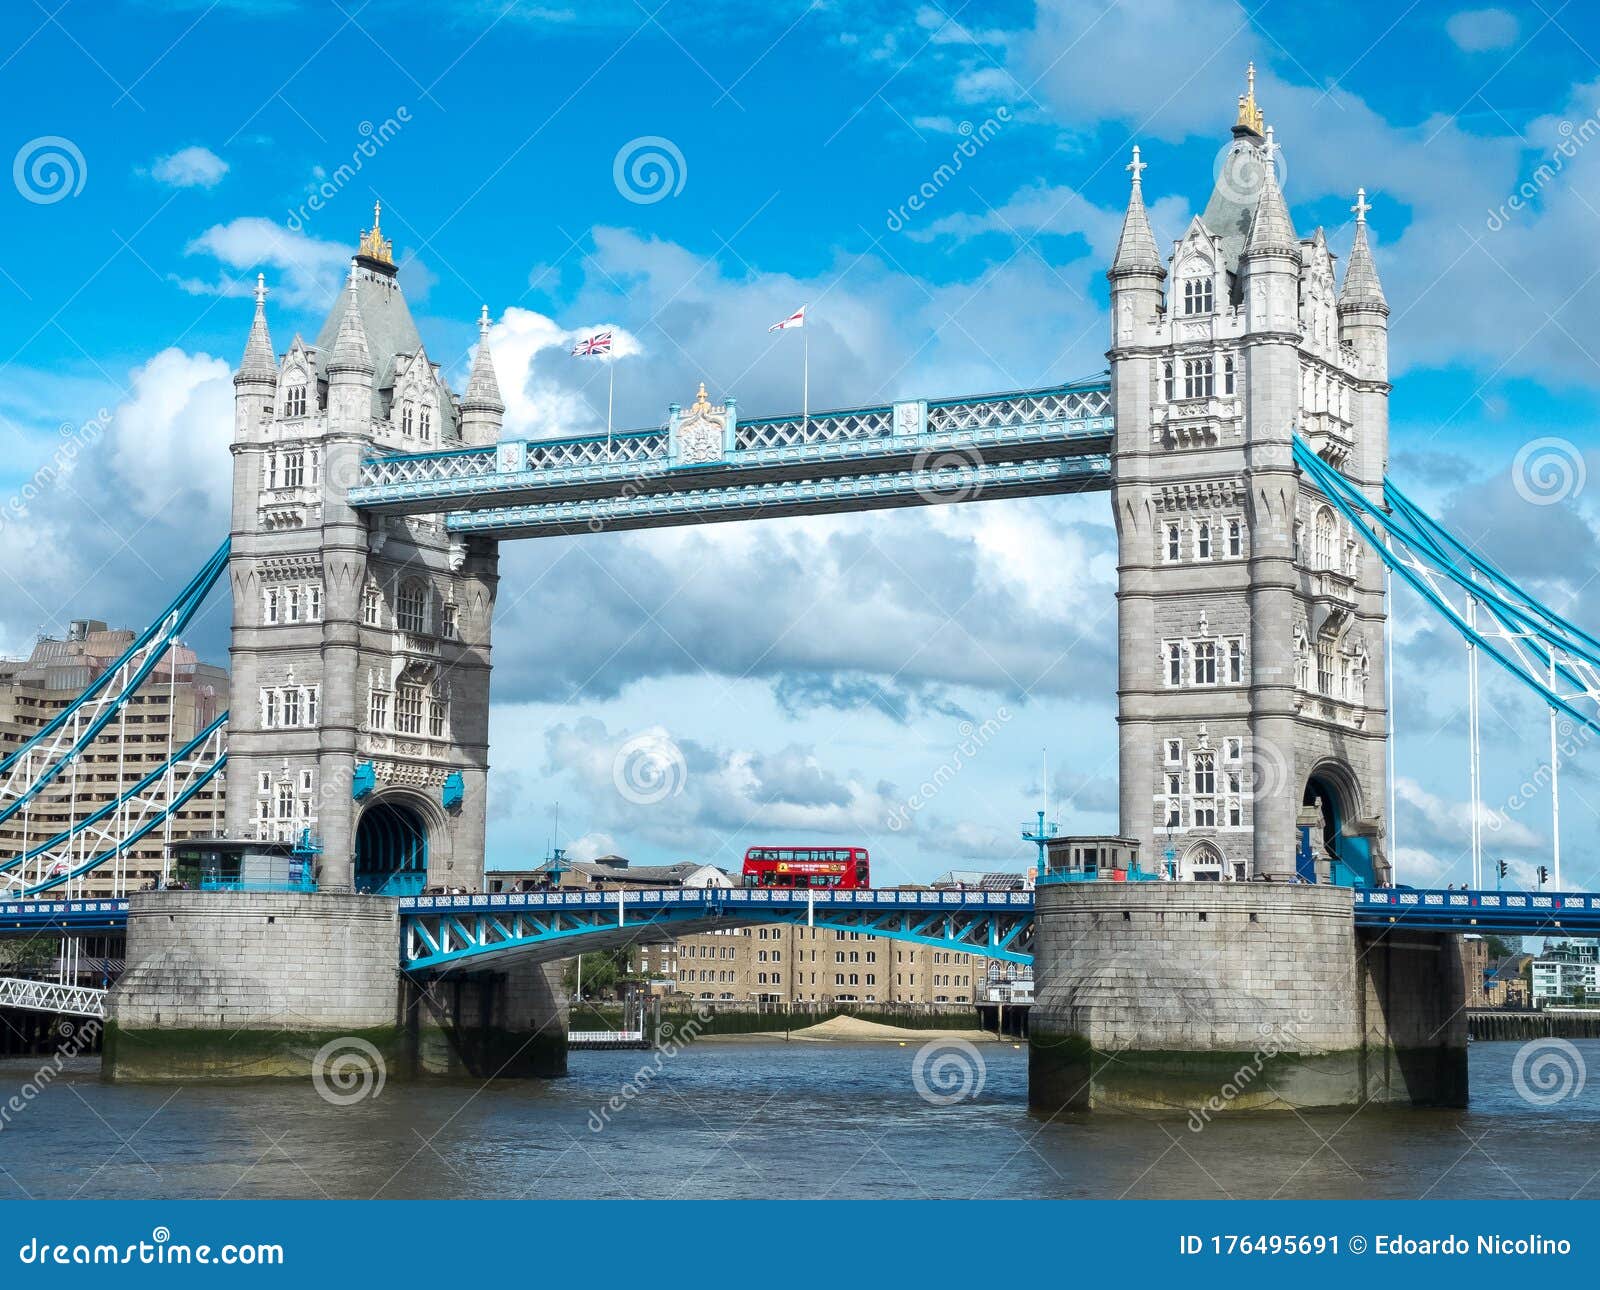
(391, 850)
(1329, 849)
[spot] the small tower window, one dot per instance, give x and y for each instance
(1228, 373)
(1205, 663)
(1235, 537)
(1166, 381)
(425, 424)
(1197, 296)
(1199, 378)
(1174, 542)
(371, 606)
(1202, 542)
(294, 399)
(408, 415)
(1235, 662)
(294, 469)
(1175, 664)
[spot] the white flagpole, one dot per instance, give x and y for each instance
(611, 390)
(805, 379)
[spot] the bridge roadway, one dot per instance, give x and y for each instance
(437, 932)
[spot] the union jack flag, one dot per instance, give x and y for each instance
(590, 346)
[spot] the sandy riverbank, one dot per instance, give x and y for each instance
(853, 1030)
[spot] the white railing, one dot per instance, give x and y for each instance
(1019, 409)
(49, 996)
(827, 427)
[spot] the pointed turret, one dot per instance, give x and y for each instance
(482, 407)
(350, 392)
(259, 363)
(255, 384)
(1271, 229)
(1136, 248)
(350, 351)
(1361, 287)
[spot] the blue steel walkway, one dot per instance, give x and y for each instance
(444, 931)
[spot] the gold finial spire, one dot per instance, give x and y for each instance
(701, 403)
(1250, 117)
(373, 244)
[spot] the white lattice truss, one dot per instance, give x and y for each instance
(856, 432)
(49, 996)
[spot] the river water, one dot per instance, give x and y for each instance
(773, 1119)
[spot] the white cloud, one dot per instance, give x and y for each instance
(719, 792)
(169, 441)
(193, 167)
(1446, 824)
(548, 392)
(1476, 30)
(306, 271)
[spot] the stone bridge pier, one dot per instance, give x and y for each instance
(276, 984)
(1210, 998)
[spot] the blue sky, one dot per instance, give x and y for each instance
(814, 671)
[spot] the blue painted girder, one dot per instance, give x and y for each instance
(78, 917)
(446, 931)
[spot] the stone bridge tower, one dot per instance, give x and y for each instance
(360, 646)
(1251, 703)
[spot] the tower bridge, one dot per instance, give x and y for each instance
(1242, 435)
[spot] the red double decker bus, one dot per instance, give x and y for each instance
(844, 867)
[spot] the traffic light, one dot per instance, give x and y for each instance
(1544, 874)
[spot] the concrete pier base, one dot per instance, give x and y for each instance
(489, 1025)
(232, 985)
(1203, 999)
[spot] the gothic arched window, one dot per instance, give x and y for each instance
(411, 606)
(294, 397)
(1322, 539)
(1197, 296)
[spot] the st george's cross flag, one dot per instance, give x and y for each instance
(796, 319)
(593, 346)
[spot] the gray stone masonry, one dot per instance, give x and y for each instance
(1253, 996)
